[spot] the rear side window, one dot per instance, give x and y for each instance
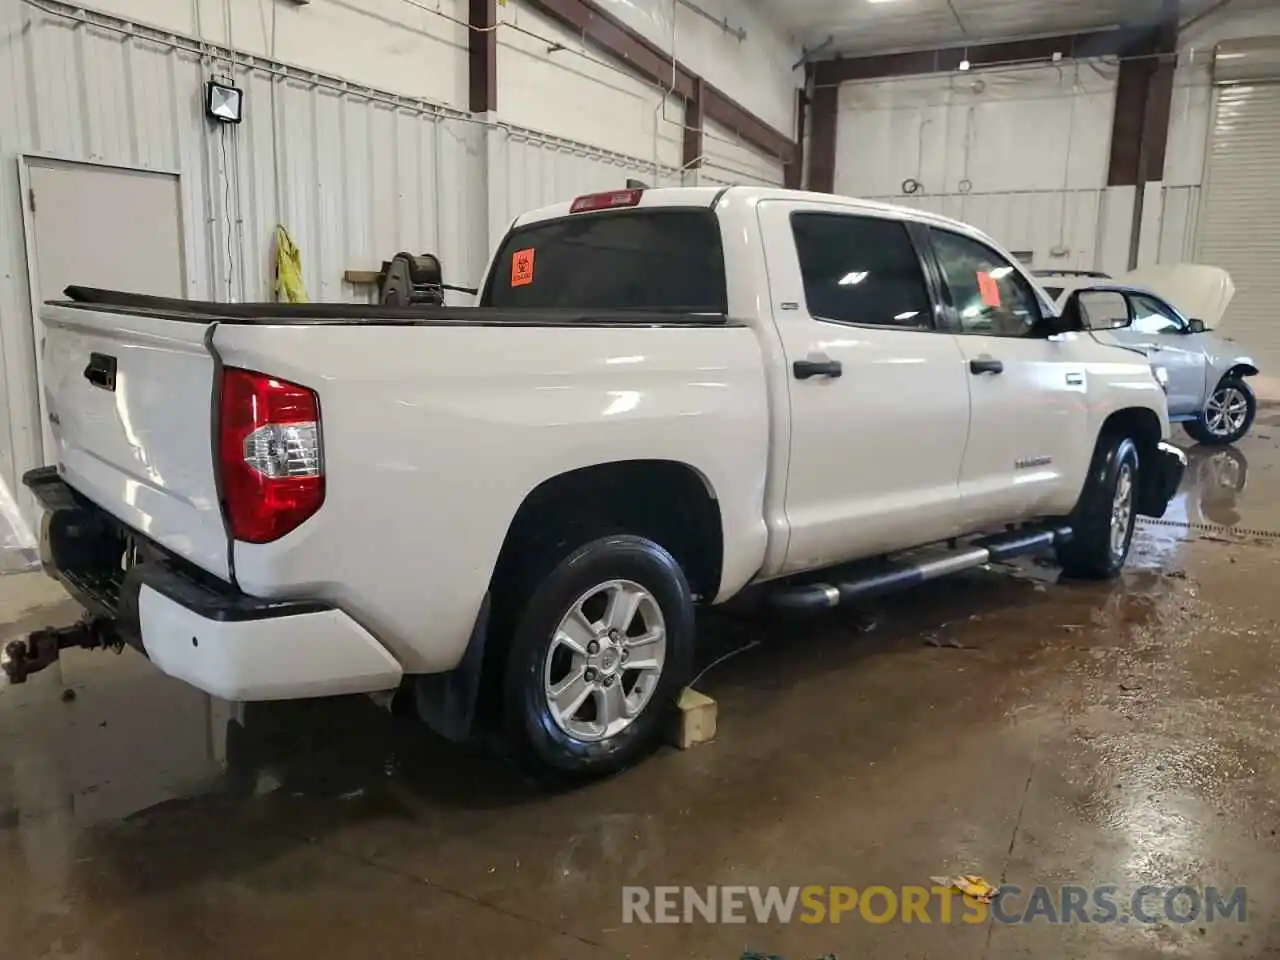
(650, 260)
(860, 270)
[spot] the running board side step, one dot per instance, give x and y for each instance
(860, 584)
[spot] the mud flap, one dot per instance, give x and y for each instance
(1160, 481)
(446, 702)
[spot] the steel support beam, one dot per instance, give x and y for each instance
(482, 55)
(823, 108)
(649, 61)
(1077, 46)
(1144, 100)
(691, 150)
(794, 170)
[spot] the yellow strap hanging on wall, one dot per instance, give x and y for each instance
(289, 288)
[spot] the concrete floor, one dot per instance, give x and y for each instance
(996, 723)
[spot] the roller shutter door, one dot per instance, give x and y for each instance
(1240, 217)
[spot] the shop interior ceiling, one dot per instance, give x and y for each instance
(864, 27)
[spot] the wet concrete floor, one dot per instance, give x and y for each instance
(998, 723)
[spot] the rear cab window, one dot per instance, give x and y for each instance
(658, 260)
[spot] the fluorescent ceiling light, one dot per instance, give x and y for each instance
(850, 279)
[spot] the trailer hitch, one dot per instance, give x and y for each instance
(39, 649)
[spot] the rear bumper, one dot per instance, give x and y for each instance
(1161, 480)
(196, 628)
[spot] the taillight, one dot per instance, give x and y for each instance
(269, 455)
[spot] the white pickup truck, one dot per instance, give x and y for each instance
(509, 512)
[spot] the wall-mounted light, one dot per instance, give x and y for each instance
(223, 102)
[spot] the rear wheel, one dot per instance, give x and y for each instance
(1227, 415)
(600, 652)
(1103, 521)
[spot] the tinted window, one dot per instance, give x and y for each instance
(1151, 316)
(656, 260)
(860, 270)
(990, 296)
(1103, 309)
(1054, 292)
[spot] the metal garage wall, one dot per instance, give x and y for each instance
(1020, 152)
(355, 174)
(1054, 228)
(1240, 218)
(531, 170)
(726, 161)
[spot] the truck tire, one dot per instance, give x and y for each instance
(1102, 523)
(1227, 415)
(600, 652)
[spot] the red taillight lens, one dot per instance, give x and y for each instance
(606, 201)
(269, 454)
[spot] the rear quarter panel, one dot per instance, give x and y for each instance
(434, 435)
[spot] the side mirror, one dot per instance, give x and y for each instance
(1104, 310)
(1196, 326)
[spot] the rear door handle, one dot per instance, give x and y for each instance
(804, 369)
(985, 365)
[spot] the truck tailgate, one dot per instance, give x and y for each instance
(130, 401)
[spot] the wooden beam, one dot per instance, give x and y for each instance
(603, 30)
(691, 151)
(482, 53)
(1128, 41)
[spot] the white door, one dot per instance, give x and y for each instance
(1239, 227)
(879, 399)
(99, 226)
(1027, 433)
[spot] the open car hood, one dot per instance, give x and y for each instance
(1198, 292)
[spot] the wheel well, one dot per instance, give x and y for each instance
(1241, 370)
(668, 502)
(1143, 427)
(1138, 423)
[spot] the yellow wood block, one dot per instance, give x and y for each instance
(695, 719)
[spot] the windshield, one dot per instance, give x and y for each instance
(656, 260)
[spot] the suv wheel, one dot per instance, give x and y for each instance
(1103, 521)
(599, 655)
(1227, 415)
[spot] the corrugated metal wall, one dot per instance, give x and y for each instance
(531, 170)
(354, 174)
(963, 138)
(1059, 228)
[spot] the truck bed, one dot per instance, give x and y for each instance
(329, 314)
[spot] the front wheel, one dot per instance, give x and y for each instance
(1227, 415)
(1103, 521)
(599, 655)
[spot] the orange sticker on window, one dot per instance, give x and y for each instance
(989, 289)
(522, 267)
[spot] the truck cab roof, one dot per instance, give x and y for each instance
(714, 196)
